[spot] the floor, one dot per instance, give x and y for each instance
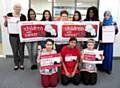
(31, 79)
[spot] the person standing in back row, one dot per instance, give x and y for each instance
(16, 45)
(32, 46)
(60, 44)
(107, 47)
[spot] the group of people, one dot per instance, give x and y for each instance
(69, 69)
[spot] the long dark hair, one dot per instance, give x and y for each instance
(78, 14)
(43, 18)
(95, 11)
(28, 15)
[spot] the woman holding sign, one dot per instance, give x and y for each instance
(11, 22)
(107, 47)
(77, 17)
(32, 46)
(70, 58)
(49, 77)
(46, 17)
(88, 69)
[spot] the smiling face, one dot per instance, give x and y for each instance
(107, 16)
(91, 13)
(17, 8)
(49, 46)
(90, 46)
(47, 16)
(72, 44)
(76, 16)
(64, 17)
(32, 15)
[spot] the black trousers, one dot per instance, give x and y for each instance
(66, 80)
(89, 78)
(17, 49)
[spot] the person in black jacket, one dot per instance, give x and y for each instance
(16, 45)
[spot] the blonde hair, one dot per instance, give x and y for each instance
(17, 5)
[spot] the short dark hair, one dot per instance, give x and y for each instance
(63, 12)
(49, 40)
(72, 39)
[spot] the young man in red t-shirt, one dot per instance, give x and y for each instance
(70, 58)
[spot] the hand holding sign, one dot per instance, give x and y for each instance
(50, 61)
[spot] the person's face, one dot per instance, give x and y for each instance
(64, 17)
(72, 44)
(91, 14)
(17, 8)
(47, 15)
(32, 15)
(76, 16)
(107, 17)
(49, 46)
(90, 46)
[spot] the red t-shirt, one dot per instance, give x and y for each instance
(70, 57)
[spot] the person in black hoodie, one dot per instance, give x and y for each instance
(16, 45)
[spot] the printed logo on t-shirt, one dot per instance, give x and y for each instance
(70, 58)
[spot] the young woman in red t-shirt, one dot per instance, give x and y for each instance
(70, 58)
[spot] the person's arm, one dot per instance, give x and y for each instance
(5, 22)
(100, 32)
(64, 67)
(76, 67)
(116, 27)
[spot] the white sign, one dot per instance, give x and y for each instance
(49, 61)
(58, 30)
(108, 34)
(13, 25)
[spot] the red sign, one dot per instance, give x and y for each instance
(29, 31)
(79, 31)
(50, 61)
(89, 57)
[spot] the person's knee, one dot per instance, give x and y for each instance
(53, 84)
(93, 82)
(77, 82)
(93, 79)
(86, 82)
(76, 79)
(64, 82)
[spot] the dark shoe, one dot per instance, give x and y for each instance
(21, 67)
(16, 68)
(34, 67)
(108, 72)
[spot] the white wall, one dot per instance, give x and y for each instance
(113, 6)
